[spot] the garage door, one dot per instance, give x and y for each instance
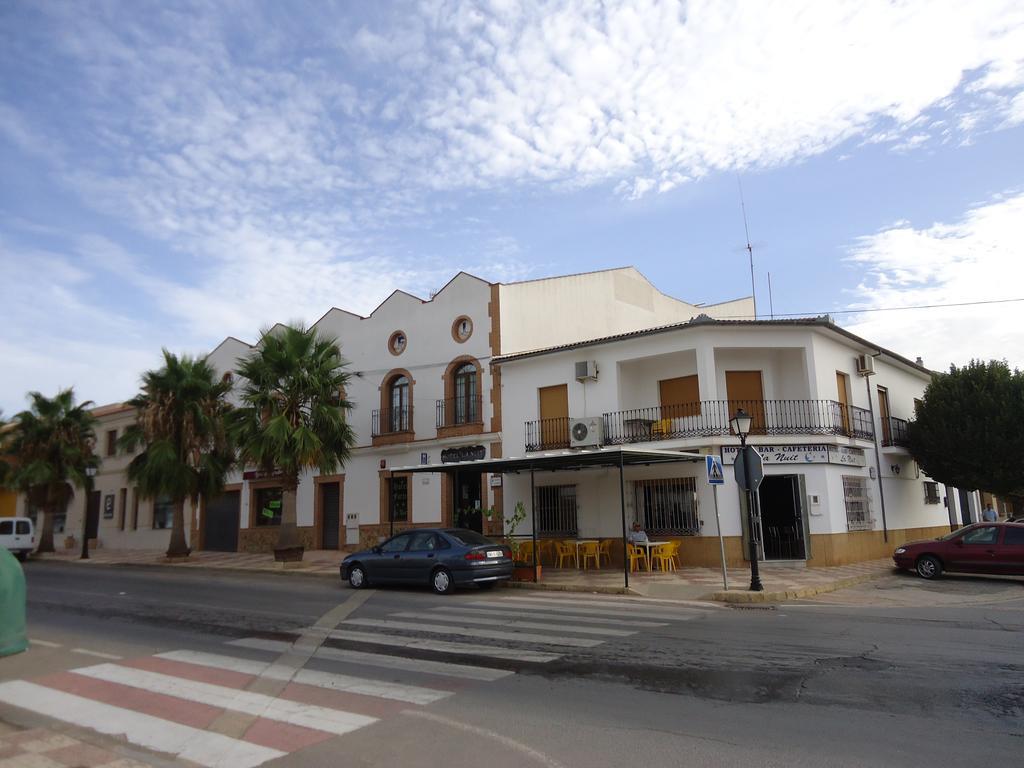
(220, 523)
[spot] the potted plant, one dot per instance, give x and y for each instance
(523, 570)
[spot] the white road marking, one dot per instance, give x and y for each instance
(43, 643)
(97, 654)
(525, 624)
(334, 721)
(628, 602)
(448, 669)
(518, 746)
(549, 613)
(412, 694)
(202, 747)
(533, 603)
(443, 646)
(490, 634)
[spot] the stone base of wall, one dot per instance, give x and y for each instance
(858, 546)
(371, 535)
(258, 540)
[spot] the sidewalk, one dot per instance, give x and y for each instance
(781, 582)
(42, 748)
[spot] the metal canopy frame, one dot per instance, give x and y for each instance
(564, 461)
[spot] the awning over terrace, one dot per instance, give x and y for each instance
(561, 461)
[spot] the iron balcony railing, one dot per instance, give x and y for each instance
(456, 411)
(388, 421)
(894, 432)
(547, 434)
(709, 418)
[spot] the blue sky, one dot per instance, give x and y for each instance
(174, 173)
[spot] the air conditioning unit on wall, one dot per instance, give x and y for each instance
(586, 370)
(584, 433)
(865, 365)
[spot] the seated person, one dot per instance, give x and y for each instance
(637, 535)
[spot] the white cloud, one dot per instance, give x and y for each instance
(974, 259)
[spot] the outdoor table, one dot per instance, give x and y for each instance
(584, 541)
(648, 545)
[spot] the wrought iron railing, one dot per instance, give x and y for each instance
(547, 434)
(710, 418)
(388, 421)
(894, 431)
(456, 411)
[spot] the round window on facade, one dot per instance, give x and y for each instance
(397, 342)
(462, 328)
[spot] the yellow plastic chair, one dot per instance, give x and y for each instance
(524, 549)
(545, 549)
(675, 554)
(662, 557)
(637, 557)
(566, 551)
(590, 551)
(606, 551)
(661, 427)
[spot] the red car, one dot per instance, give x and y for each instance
(980, 548)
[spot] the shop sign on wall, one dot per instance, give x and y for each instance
(802, 454)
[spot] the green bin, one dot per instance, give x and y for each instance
(13, 637)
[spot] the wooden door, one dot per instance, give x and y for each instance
(843, 392)
(554, 416)
(883, 415)
(745, 391)
(679, 397)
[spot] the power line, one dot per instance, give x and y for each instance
(886, 309)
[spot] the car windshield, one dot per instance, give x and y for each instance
(952, 534)
(468, 537)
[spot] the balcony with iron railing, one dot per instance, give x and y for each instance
(457, 411)
(710, 418)
(385, 422)
(894, 433)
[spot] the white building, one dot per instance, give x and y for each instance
(839, 484)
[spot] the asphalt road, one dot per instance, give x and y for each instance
(822, 683)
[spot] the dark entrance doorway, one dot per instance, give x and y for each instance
(330, 510)
(782, 525)
(965, 506)
(220, 522)
(468, 512)
(92, 515)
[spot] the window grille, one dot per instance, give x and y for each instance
(556, 510)
(931, 492)
(668, 506)
(163, 512)
(858, 504)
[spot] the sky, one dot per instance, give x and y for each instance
(172, 173)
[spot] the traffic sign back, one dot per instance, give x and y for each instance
(756, 468)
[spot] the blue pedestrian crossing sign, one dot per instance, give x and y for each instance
(716, 475)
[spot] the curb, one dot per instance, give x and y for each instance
(793, 594)
(547, 587)
(184, 566)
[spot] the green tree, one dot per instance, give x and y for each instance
(294, 415)
(51, 445)
(967, 428)
(180, 426)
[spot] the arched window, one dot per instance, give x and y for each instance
(399, 407)
(467, 399)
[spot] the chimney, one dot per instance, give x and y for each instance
(919, 361)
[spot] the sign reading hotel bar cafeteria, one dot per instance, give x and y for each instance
(463, 453)
(803, 454)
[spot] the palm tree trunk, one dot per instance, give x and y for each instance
(178, 546)
(289, 547)
(49, 510)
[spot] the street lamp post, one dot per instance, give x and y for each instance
(741, 426)
(90, 473)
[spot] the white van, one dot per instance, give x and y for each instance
(18, 535)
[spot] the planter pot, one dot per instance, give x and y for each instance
(524, 572)
(69, 542)
(289, 554)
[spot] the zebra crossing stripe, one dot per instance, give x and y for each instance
(531, 603)
(205, 748)
(333, 721)
(444, 646)
(489, 634)
(399, 692)
(440, 668)
(525, 624)
(446, 609)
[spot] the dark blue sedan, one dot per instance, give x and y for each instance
(441, 557)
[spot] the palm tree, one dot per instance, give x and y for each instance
(294, 415)
(52, 446)
(181, 429)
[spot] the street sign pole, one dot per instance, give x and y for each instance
(721, 541)
(755, 575)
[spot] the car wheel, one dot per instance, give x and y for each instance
(928, 567)
(357, 577)
(441, 581)
(22, 556)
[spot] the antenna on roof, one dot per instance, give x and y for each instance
(750, 248)
(771, 304)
